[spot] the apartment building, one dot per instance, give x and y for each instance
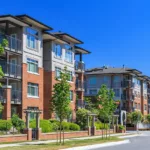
(131, 87)
(32, 60)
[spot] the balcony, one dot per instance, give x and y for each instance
(116, 84)
(79, 85)
(11, 70)
(16, 96)
(80, 104)
(123, 97)
(127, 84)
(79, 66)
(148, 91)
(2, 95)
(14, 44)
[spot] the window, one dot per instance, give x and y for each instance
(68, 53)
(117, 92)
(33, 89)
(116, 78)
(106, 80)
(32, 38)
(57, 72)
(71, 95)
(92, 81)
(139, 106)
(145, 86)
(145, 96)
(93, 91)
(135, 105)
(58, 50)
(32, 65)
(145, 107)
(70, 76)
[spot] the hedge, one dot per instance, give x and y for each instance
(45, 125)
(100, 125)
(5, 125)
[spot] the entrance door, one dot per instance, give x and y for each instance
(13, 41)
(13, 69)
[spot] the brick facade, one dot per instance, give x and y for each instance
(29, 101)
(49, 82)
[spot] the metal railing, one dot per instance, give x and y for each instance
(14, 44)
(116, 84)
(16, 96)
(2, 95)
(79, 66)
(79, 84)
(126, 84)
(10, 69)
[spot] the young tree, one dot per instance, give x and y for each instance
(61, 97)
(106, 103)
(3, 44)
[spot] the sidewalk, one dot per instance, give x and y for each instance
(52, 141)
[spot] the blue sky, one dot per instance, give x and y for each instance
(117, 32)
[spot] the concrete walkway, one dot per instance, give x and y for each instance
(52, 141)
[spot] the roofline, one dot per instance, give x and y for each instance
(3, 16)
(82, 49)
(70, 36)
(25, 15)
(54, 36)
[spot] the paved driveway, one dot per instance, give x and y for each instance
(136, 143)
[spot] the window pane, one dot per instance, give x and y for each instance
(32, 65)
(92, 80)
(33, 89)
(57, 72)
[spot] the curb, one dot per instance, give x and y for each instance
(89, 147)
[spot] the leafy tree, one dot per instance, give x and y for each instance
(3, 44)
(61, 97)
(106, 103)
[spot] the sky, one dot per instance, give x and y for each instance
(117, 32)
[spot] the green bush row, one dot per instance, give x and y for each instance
(5, 125)
(100, 125)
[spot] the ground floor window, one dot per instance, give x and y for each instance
(13, 110)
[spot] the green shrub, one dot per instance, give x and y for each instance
(45, 125)
(121, 127)
(54, 121)
(17, 122)
(5, 125)
(74, 127)
(81, 118)
(100, 126)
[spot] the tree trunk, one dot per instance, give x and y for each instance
(60, 130)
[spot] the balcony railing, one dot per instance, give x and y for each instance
(80, 104)
(16, 96)
(79, 66)
(79, 85)
(2, 95)
(116, 84)
(14, 44)
(10, 69)
(148, 90)
(125, 97)
(126, 84)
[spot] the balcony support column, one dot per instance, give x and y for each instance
(80, 57)
(7, 105)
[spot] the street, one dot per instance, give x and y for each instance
(137, 143)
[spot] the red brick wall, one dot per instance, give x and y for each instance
(28, 101)
(99, 132)
(50, 136)
(49, 82)
(13, 138)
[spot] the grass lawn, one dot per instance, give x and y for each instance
(74, 143)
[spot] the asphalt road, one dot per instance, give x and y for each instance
(136, 143)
